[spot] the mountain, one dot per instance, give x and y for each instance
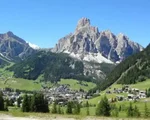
(88, 44)
(51, 66)
(135, 68)
(54, 66)
(13, 47)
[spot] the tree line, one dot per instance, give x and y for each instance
(35, 103)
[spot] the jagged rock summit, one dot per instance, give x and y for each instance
(13, 47)
(88, 44)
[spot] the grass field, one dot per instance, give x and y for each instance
(140, 104)
(140, 85)
(7, 80)
(76, 85)
(122, 115)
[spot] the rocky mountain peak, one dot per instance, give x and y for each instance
(14, 47)
(122, 36)
(6, 35)
(9, 33)
(87, 43)
(82, 23)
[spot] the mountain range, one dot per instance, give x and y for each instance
(96, 52)
(88, 44)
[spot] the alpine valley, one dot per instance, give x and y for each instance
(87, 54)
(89, 72)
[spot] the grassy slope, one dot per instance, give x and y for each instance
(141, 85)
(7, 80)
(140, 104)
(21, 84)
(74, 84)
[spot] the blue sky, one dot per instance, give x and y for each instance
(44, 22)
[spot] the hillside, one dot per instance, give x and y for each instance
(134, 69)
(52, 66)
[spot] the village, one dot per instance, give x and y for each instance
(126, 93)
(61, 94)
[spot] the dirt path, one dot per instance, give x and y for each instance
(9, 117)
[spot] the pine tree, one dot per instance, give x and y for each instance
(76, 108)
(130, 110)
(46, 107)
(38, 103)
(120, 108)
(54, 108)
(136, 112)
(59, 109)
(69, 108)
(32, 105)
(6, 106)
(25, 104)
(87, 108)
(18, 102)
(148, 92)
(103, 107)
(146, 111)
(114, 110)
(1, 101)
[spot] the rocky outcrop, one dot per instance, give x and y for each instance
(13, 47)
(87, 41)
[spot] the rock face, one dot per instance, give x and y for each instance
(88, 44)
(13, 48)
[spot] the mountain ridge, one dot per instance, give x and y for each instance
(13, 47)
(135, 68)
(87, 39)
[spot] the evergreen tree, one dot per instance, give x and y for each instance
(148, 93)
(32, 105)
(54, 108)
(1, 101)
(114, 110)
(120, 108)
(25, 104)
(69, 108)
(130, 110)
(18, 102)
(146, 111)
(6, 106)
(76, 108)
(46, 107)
(59, 109)
(87, 108)
(136, 112)
(38, 103)
(103, 107)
